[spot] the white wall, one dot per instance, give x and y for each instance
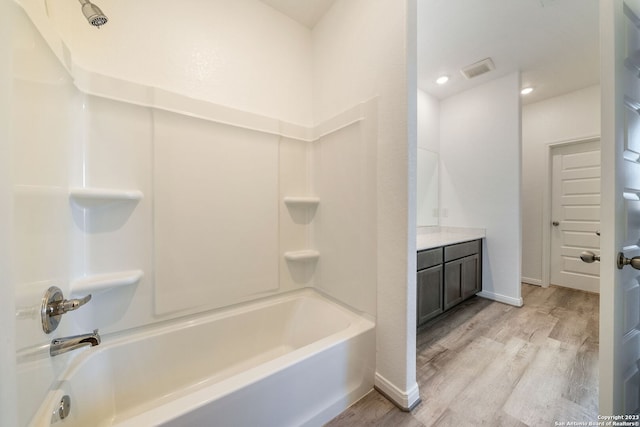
(363, 49)
(480, 177)
(428, 185)
(573, 116)
(428, 122)
(241, 54)
(9, 14)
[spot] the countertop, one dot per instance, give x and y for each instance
(433, 237)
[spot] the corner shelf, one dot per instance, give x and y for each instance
(103, 282)
(96, 197)
(301, 200)
(303, 255)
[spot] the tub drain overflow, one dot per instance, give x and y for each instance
(65, 407)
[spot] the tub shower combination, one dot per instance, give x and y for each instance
(287, 360)
(187, 237)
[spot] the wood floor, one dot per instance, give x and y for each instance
(487, 363)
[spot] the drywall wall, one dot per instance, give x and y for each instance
(361, 50)
(572, 116)
(480, 177)
(427, 192)
(240, 54)
(9, 17)
(428, 122)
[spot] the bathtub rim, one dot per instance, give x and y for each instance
(194, 319)
(40, 351)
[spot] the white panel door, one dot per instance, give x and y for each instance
(620, 214)
(575, 211)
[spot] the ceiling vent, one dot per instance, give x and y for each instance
(477, 69)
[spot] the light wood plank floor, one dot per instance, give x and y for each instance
(491, 364)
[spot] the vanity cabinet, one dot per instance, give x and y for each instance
(430, 284)
(447, 276)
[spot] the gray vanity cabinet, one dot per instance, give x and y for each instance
(447, 276)
(430, 285)
(462, 272)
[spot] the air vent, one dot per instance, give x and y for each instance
(479, 68)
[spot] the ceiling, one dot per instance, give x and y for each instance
(554, 43)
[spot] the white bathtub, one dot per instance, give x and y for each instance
(292, 360)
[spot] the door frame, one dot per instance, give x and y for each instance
(547, 202)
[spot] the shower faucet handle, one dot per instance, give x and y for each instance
(54, 306)
(67, 305)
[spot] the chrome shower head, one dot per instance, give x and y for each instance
(93, 13)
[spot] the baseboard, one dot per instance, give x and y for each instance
(405, 400)
(501, 298)
(531, 281)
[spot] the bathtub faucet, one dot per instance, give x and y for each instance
(63, 345)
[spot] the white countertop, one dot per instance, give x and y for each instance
(433, 237)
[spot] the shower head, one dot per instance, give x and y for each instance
(93, 13)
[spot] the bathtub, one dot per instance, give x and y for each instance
(293, 360)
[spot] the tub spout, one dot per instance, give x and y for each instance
(63, 345)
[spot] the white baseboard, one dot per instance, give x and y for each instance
(501, 298)
(531, 281)
(405, 400)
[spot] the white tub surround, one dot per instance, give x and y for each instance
(296, 359)
(433, 237)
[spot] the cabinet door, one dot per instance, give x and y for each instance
(452, 283)
(429, 284)
(470, 279)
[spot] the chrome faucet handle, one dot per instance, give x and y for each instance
(67, 305)
(54, 306)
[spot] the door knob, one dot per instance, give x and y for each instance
(633, 262)
(555, 223)
(589, 257)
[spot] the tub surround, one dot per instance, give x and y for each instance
(433, 237)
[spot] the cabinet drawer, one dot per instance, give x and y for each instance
(429, 258)
(460, 250)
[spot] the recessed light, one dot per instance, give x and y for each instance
(442, 80)
(526, 91)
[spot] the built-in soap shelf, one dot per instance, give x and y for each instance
(102, 282)
(96, 197)
(310, 202)
(301, 200)
(303, 255)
